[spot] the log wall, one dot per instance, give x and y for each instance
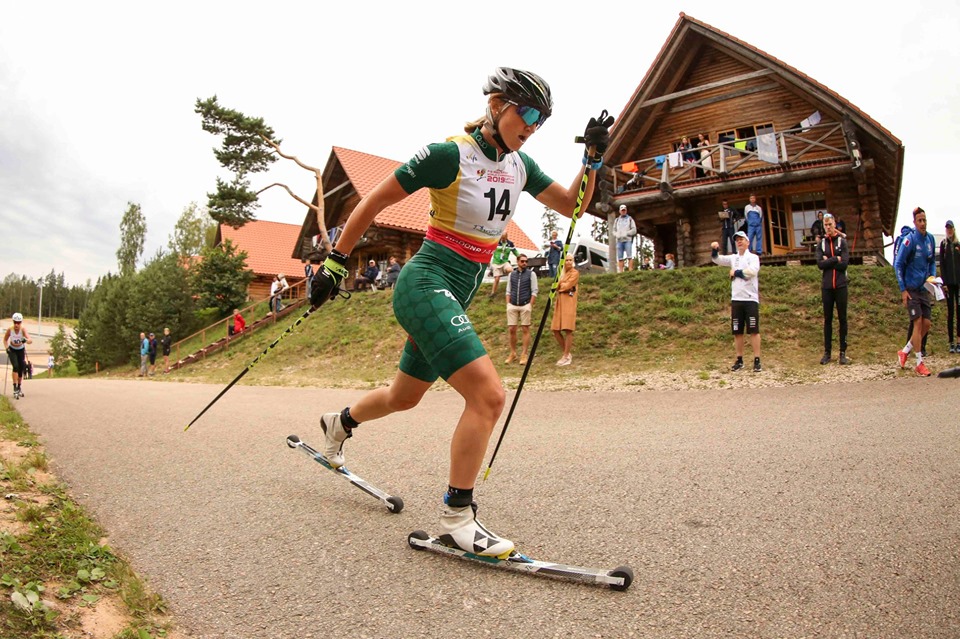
(771, 105)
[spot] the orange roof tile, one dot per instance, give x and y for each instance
(366, 171)
(266, 244)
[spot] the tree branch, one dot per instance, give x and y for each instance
(317, 208)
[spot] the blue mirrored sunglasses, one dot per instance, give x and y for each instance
(530, 115)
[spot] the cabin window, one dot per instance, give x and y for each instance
(803, 211)
(779, 224)
(743, 138)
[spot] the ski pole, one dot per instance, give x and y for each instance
(254, 363)
(546, 308)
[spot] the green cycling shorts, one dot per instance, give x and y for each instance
(430, 302)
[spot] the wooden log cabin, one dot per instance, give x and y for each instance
(773, 131)
(397, 231)
(264, 243)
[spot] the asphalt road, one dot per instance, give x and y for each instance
(808, 511)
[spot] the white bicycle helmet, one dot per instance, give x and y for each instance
(17, 317)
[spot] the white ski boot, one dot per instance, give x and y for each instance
(459, 528)
(336, 434)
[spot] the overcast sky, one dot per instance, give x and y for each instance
(97, 98)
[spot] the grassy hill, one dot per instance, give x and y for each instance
(640, 321)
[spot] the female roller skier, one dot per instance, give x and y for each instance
(475, 180)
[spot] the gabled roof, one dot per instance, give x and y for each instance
(681, 51)
(366, 171)
(266, 246)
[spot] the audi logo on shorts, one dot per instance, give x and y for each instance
(459, 320)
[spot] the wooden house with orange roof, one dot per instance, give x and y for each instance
(397, 231)
(773, 131)
(265, 244)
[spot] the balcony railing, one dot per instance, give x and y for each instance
(824, 141)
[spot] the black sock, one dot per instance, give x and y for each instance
(756, 359)
(739, 359)
(348, 421)
(458, 497)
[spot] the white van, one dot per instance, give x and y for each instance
(590, 256)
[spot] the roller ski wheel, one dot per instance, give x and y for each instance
(625, 574)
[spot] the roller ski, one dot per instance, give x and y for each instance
(394, 504)
(17, 393)
(465, 537)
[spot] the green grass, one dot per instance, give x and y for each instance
(637, 321)
(57, 553)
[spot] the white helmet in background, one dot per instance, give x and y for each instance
(17, 317)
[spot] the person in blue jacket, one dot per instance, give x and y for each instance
(914, 264)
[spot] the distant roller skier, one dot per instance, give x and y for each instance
(15, 340)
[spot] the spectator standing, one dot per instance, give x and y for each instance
(500, 262)
(905, 232)
(706, 159)
(727, 220)
(744, 297)
(152, 353)
(816, 229)
(554, 251)
(833, 257)
(393, 272)
(275, 294)
(670, 264)
(916, 261)
(754, 215)
(950, 274)
(686, 148)
(165, 343)
(144, 354)
(50, 364)
(368, 277)
(282, 288)
(565, 312)
(29, 366)
(522, 292)
(624, 230)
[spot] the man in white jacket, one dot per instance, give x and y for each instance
(744, 296)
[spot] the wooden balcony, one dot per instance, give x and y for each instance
(793, 155)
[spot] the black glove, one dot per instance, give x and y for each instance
(326, 283)
(596, 134)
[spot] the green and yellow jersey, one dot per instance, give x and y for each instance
(473, 191)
